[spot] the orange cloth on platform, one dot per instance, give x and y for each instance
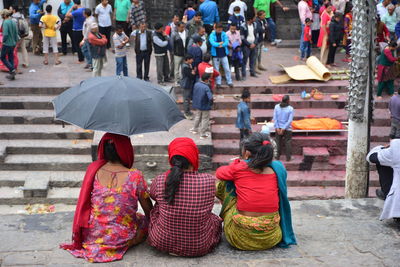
(317, 124)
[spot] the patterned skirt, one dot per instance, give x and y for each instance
(245, 232)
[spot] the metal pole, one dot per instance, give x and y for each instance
(361, 85)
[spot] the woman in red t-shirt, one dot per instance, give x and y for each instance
(251, 191)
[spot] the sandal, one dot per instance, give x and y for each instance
(45, 62)
(58, 62)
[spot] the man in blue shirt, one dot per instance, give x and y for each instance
(35, 13)
(77, 14)
(283, 117)
(209, 12)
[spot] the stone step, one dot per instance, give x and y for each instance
(36, 91)
(69, 196)
(55, 178)
(28, 116)
(228, 116)
(26, 102)
(39, 131)
(315, 154)
(290, 43)
(289, 88)
(77, 146)
(46, 162)
(263, 101)
(336, 163)
(336, 144)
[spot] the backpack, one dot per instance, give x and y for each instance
(23, 27)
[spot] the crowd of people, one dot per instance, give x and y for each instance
(255, 209)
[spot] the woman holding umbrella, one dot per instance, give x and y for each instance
(106, 221)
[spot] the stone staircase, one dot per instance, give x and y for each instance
(317, 169)
(40, 159)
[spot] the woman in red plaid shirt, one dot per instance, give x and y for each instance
(182, 222)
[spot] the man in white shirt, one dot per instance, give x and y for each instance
(381, 8)
(249, 36)
(239, 3)
(103, 13)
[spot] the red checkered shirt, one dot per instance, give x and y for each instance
(187, 227)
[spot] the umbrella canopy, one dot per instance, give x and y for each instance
(120, 105)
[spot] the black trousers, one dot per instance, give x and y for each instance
(77, 37)
(284, 140)
(64, 31)
(244, 133)
(385, 178)
(209, 28)
(331, 54)
(107, 32)
(143, 57)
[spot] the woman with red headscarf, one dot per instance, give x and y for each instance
(106, 221)
(182, 222)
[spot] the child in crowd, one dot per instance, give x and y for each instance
(235, 52)
(236, 18)
(98, 47)
(187, 82)
(202, 102)
(307, 40)
(243, 120)
(335, 38)
(206, 67)
(120, 40)
(50, 24)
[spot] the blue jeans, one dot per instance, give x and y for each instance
(306, 49)
(225, 64)
(272, 28)
(301, 36)
(86, 52)
(122, 65)
(7, 57)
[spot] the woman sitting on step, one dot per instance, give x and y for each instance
(253, 191)
(182, 222)
(106, 221)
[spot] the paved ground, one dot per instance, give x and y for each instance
(330, 233)
(70, 73)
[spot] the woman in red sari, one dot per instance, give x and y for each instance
(182, 222)
(106, 221)
(324, 32)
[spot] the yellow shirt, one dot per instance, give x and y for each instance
(50, 22)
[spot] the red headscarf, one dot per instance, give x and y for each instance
(184, 147)
(124, 150)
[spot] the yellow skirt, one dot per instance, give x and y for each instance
(244, 232)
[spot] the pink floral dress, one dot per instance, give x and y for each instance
(114, 221)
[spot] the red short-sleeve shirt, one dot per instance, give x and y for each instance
(255, 192)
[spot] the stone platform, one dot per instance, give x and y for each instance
(342, 233)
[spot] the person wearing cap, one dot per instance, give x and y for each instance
(182, 222)
(85, 46)
(50, 24)
(98, 47)
(206, 67)
(201, 32)
(10, 39)
(195, 51)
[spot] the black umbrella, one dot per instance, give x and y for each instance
(120, 105)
